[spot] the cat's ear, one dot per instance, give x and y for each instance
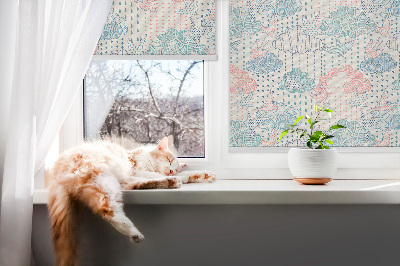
(171, 146)
(163, 145)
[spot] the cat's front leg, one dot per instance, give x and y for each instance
(147, 174)
(197, 177)
(155, 183)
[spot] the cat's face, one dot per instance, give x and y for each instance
(165, 162)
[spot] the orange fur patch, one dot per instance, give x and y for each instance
(171, 183)
(132, 157)
(163, 157)
(196, 176)
(96, 199)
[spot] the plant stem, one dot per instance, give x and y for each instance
(312, 128)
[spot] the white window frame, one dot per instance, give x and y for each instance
(270, 163)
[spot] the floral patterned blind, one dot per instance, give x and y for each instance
(287, 55)
(160, 27)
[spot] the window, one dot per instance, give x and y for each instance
(141, 101)
(364, 163)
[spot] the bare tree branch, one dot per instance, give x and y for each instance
(182, 82)
(146, 72)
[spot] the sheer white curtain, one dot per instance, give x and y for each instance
(54, 43)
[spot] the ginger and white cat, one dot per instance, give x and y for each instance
(94, 174)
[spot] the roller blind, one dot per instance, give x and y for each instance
(181, 29)
(287, 55)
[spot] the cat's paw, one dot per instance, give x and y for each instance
(210, 177)
(174, 182)
(182, 167)
(201, 177)
(137, 237)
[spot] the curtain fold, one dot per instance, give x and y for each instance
(55, 43)
(8, 25)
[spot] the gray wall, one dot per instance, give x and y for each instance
(237, 235)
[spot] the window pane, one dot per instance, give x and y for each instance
(140, 102)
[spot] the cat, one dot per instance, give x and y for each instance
(94, 174)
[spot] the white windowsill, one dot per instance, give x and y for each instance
(264, 192)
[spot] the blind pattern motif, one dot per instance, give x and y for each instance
(287, 55)
(159, 27)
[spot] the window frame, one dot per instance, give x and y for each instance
(270, 163)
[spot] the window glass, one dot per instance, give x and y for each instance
(139, 102)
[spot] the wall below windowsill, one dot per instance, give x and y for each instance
(264, 192)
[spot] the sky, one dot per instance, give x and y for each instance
(196, 88)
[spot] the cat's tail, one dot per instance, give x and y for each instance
(62, 212)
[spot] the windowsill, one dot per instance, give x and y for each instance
(264, 192)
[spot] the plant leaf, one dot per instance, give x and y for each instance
(317, 135)
(322, 146)
(298, 119)
(309, 144)
(317, 108)
(329, 141)
(313, 123)
(283, 134)
(303, 134)
(327, 137)
(337, 126)
(329, 111)
(310, 120)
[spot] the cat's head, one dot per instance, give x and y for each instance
(164, 161)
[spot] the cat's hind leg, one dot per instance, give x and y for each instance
(103, 195)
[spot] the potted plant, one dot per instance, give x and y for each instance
(316, 163)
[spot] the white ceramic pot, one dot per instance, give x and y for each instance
(311, 166)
